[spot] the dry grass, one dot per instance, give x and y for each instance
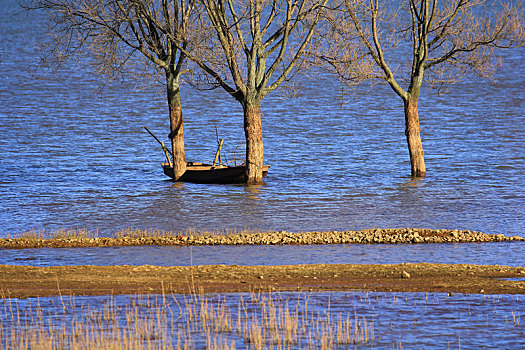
(61, 233)
(129, 232)
(244, 321)
(253, 321)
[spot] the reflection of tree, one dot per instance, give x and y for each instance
(413, 182)
(252, 192)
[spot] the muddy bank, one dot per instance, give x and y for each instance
(28, 281)
(375, 236)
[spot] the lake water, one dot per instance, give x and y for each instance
(391, 321)
(508, 254)
(73, 156)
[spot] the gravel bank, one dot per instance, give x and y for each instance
(375, 236)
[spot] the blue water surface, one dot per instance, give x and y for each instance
(75, 155)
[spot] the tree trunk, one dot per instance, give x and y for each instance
(176, 126)
(254, 143)
(413, 134)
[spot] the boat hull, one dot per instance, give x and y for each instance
(206, 173)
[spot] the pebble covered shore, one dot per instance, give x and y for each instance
(374, 236)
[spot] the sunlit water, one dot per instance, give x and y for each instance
(508, 254)
(74, 156)
(404, 321)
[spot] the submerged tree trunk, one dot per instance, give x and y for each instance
(254, 143)
(413, 135)
(176, 126)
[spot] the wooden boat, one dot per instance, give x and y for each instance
(208, 173)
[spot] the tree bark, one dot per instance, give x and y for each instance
(254, 143)
(176, 126)
(413, 135)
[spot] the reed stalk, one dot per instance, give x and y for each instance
(262, 321)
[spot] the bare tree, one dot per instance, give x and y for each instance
(119, 34)
(258, 45)
(415, 41)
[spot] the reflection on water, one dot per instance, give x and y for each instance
(253, 191)
(412, 182)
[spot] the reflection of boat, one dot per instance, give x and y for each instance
(207, 173)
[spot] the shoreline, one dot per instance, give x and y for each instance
(132, 237)
(18, 281)
(31, 281)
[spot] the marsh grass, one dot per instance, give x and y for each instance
(129, 232)
(252, 321)
(269, 320)
(61, 233)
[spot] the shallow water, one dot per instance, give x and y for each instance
(508, 254)
(405, 321)
(72, 156)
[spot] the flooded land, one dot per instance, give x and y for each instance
(338, 248)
